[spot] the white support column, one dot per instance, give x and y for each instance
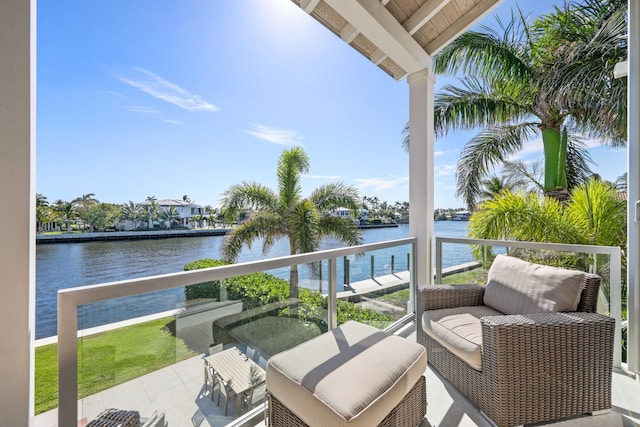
(17, 216)
(633, 183)
(421, 170)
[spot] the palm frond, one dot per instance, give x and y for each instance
(478, 104)
(340, 228)
(291, 165)
(304, 226)
(525, 176)
(485, 151)
(248, 195)
(578, 161)
(260, 225)
(601, 215)
(335, 195)
(579, 78)
(405, 137)
(488, 53)
(524, 217)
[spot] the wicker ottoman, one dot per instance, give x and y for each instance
(355, 375)
(116, 418)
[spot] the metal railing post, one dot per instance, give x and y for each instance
(438, 261)
(347, 272)
(332, 295)
(67, 361)
(372, 266)
(615, 297)
(393, 266)
(413, 279)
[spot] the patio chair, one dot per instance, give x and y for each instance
(226, 392)
(250, 352)
(210, 376)
(253, 397)
(527, 347)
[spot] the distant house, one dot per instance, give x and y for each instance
(347, 213)
(461, 216)
(186, 210)
(343, 212)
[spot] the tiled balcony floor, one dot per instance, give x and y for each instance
(179, 392)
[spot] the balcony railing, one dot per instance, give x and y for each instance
(610, 299)
(224, 316)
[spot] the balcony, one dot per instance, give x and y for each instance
(162, 369)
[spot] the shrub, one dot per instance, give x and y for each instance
(260, 289)
(206, 289)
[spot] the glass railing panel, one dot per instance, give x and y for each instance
(146, 352)
(143, 343)
(375, 287)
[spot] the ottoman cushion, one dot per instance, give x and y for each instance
(354, 375)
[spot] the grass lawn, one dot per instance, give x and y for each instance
(477, 275)
(400, 298)
(110, 358)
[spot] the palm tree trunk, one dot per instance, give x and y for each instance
(555, 159)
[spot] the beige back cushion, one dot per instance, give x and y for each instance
(519, 287)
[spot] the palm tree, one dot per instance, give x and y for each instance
(493, 186)
(594, 215)
(132, 212)
(170, 215)
(508, 94)
(587, 40)
(41, 200)
(621, 182)
(67, 211)
(285, 214)
(83, 204)
(152, 210)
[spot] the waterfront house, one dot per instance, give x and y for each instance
(399, 36)
(186, 210)
(461, 216)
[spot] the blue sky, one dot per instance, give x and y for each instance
(143, 98)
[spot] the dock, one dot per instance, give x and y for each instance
(393, 282)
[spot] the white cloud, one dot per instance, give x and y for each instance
(114, 93)
(174, 122)
(438, 153)
(322, 176)
(158, 87)
(276, 136)
(444, 170)
(381, 183)
(143, 110)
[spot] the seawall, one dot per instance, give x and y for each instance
(128, 235)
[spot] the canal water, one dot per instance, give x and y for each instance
(68, 265)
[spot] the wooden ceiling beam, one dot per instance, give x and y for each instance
(309, 5)
(461, 25)
(423, 15)
(376, 23)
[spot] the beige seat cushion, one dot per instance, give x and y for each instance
(519, 287)
(459, 330)
(354, 375)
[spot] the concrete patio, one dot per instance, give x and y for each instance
(179, 392)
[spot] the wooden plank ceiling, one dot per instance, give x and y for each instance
(399, 36)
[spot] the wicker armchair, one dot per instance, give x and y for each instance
(534, 367)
